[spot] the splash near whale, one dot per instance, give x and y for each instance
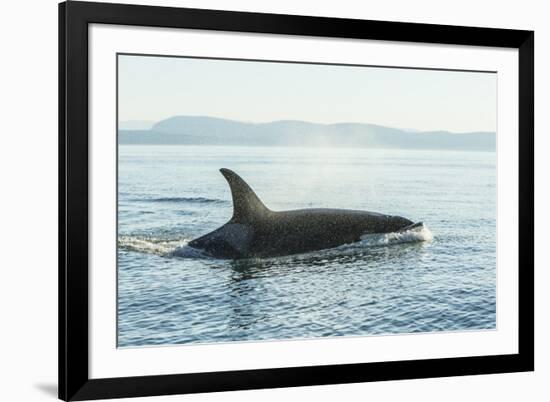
(255, 231)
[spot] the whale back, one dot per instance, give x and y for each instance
(247, 207)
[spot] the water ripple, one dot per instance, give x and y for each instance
(169, 293)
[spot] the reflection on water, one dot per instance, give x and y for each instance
(323, 260)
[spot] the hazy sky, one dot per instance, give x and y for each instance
(155, 88)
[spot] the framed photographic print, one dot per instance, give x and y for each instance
(257, 200)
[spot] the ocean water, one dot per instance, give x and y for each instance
(439, 277)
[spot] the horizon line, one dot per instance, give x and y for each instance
(411, 130)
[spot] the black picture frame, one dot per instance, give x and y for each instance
(74, 18)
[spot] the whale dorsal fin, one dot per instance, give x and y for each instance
(246, 204)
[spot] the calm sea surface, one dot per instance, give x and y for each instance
(440, 278)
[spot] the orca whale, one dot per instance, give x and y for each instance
(255, 231)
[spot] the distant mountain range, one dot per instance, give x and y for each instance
(198, 130)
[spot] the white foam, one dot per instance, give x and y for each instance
(149, 245)
(417, 234)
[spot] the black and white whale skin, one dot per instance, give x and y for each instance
(255, 231)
